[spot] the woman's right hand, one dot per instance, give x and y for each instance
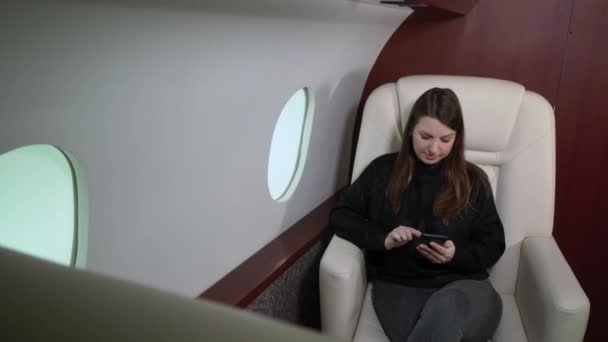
(400, 236)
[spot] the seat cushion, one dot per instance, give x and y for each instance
(369, 328)
(510, 328)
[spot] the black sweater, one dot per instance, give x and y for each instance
(363, 216)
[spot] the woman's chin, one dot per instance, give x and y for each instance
(429, 161)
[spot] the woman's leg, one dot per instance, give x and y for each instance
(398, 308)
(464, 310)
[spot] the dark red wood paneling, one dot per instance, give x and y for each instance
(519, 40)
(582, 155)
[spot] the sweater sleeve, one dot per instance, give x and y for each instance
(487, 239)
(349, 217)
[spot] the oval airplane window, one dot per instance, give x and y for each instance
(39, 204)
(290, 145)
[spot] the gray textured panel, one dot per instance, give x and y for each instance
(294, 295)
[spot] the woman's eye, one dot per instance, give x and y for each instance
(425, 137)
(445, 140)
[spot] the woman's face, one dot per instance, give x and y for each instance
(432, 140)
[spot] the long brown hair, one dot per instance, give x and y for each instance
(456, 188)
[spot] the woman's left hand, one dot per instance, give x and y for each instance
(437, 253)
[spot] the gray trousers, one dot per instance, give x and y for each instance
(464, 310)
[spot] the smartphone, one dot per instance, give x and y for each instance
(434, 237)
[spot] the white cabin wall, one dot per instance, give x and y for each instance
(170, 109)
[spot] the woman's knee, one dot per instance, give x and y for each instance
(463, 298)
(478, 292)
(451, 304)
(482, 311)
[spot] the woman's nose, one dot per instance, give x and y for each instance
(434, 148)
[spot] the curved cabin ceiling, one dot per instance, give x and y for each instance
(455, 6)
(324, 10)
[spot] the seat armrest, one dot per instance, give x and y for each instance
(551, 301)
(342, 281)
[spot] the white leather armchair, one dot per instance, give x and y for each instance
(510, 133)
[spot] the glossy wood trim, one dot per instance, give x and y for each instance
(241, 286)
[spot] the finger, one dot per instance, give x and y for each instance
(449, 244)
(396, 236)
(392, 236)
(423, 248)
(433, 253)
(416, 232)
(440, 249)
(404, 235)
(409, 235)
(428, 255)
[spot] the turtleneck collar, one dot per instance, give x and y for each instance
(421, 168)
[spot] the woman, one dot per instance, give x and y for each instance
(427, 290)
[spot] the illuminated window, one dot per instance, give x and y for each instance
(39, 204)
(290, 145)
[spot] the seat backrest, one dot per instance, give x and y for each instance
(510, 133)
(67, 304)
